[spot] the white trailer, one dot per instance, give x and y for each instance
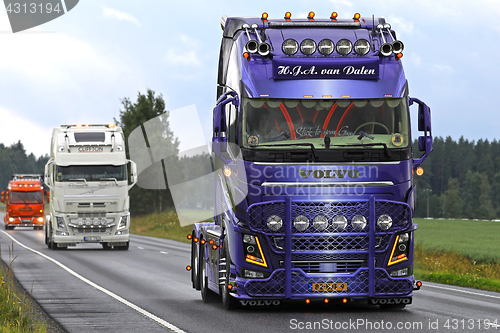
(89, 182)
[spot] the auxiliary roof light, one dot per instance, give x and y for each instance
(326, 47)
(362, 47)
(264, 16)
(334, 16)
(308, 47)
(344, 47)
(357, 16)
(288, 15)
(290, 47)
(311, 16)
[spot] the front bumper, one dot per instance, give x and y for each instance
(24, 221)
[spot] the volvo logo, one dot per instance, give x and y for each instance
(318, 174)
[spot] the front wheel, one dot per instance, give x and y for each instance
(195, 266)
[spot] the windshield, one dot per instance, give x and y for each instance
(276, 122)
(26, 197)
(91, 172)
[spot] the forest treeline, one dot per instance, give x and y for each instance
(14, 160)
(461, 180)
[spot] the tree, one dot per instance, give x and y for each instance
(452, 203)
(472, 192)
(153, 196)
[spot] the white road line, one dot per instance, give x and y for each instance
(461, 291)
(107, 292)
(140, 248)
(163, 252)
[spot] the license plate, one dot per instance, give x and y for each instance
(92, 239)
(328, 287)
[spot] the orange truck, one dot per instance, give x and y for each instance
(24, 200)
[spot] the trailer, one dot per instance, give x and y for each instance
(314, 192)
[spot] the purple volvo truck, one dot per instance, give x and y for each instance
(314, 194)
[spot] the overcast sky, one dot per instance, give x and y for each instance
(77, 68)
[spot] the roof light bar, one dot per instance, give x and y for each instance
(362, 47)
(290, 47)
(326, 47)
(344, 47)
(307, 47)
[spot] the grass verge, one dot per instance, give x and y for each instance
(16, 310)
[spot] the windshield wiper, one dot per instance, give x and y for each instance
(115, 180)
(79, 179)
(386, 149)
(315, 155)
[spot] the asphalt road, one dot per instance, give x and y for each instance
(147, 289)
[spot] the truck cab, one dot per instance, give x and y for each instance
(311, 134)
(25, 198)
(88, 174)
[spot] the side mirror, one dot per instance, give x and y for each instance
(219, 138)
(3, 192)
(47, 194)
(424, 125)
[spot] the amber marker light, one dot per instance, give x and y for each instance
(230, 286)
(357, 16)
(420, 171)
(311, 16)
(288, 15)
(308, 301)
(188, 268)
(189, 236)
(214, 247)
(246, 55)
(203, 242)
(419, 284)
(196, 240)
(211, 242)
(327, 300)
(227, 172)
(399, 55)
(264, 16)
(334, 16)
(344, 300)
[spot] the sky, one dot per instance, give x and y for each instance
(78, 67)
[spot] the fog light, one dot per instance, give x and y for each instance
(301, 223)
(320, 222)
(358, 222)
(274, 222)
(339, 222)
(122, 232)
(407, 271)
(384, 222)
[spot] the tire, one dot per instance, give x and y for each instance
(229, 302)
(6, 227)
(195, 266)
(207, 295)
(123, 248)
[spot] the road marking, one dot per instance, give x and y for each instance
(462, 291)
(98, 287)
(140, 248)
(163, 252)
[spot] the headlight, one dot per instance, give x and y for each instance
(384, 222)
(274, 222)
(123, 222)
(358, 222)
(40, 219)
(320, 222)
(249, 239)
(104, 221)
(362, 47)
(326, 47)
(301, 223)
(308, 47)
(344, 47)
(404, 237)
(290, 47)
(96, 221)
(339, 222)
(60, 222)
(11, 219)
(88, 221)
(80, 221)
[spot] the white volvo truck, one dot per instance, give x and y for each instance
(89, 184)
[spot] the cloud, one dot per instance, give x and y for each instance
(34, 137)
(401, 25)
(186, 55)
(342, 6)
(120, 16)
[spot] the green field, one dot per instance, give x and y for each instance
(478, 240)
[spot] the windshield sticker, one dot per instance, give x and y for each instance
(253, 140)
(397, 139)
